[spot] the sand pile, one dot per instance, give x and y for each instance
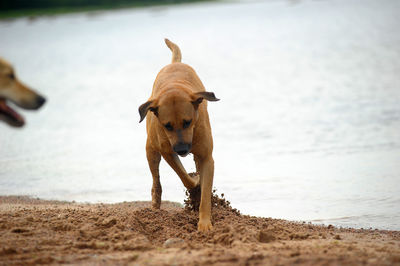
(45, 232)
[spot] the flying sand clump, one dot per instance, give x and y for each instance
(192, 201)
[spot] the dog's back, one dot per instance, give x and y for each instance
(176, 74)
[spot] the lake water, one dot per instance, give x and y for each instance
(308, 126)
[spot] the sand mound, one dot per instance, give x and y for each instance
(40, 232)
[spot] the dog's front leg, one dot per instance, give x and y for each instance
(206, 167)
(175, 163)
(154, 158)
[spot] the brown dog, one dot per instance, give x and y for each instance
(178, 124)
(12, 89)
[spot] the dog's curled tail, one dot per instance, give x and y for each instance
(176, 52)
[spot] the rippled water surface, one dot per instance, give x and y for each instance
(308, 126)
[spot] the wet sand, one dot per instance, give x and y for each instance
(35, 231)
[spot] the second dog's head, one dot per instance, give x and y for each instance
(177, 113)
(13, 90)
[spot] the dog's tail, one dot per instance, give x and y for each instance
(176, 52)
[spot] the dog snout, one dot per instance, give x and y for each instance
(182, 149)
(33, 102)
(40, 100)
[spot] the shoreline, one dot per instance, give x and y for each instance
(57, 232)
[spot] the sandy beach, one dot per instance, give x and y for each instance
(35, 231)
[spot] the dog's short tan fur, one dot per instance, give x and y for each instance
(12, 89)
(178, 124)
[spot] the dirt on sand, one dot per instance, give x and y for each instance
(34, 231)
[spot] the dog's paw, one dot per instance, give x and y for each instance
(196, 179)
(156, 205)
(204, 226)
(156, 196)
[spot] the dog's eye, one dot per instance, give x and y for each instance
(186, 123)
(11, 76)
(168, 126)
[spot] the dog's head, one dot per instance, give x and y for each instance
(177, 113)
(13, 90)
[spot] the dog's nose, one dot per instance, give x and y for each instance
(40, 101)
(182, 148)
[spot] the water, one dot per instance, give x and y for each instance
(308, 126)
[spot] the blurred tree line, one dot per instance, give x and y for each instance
(41, 4)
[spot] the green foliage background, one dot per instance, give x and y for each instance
(16, 8)
(28, 4)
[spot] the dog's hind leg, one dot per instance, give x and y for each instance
(175, 163)
(154, 158)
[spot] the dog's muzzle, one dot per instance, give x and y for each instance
(182, 149)
(40, 100)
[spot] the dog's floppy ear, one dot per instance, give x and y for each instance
(200, 96)
(144, 108)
